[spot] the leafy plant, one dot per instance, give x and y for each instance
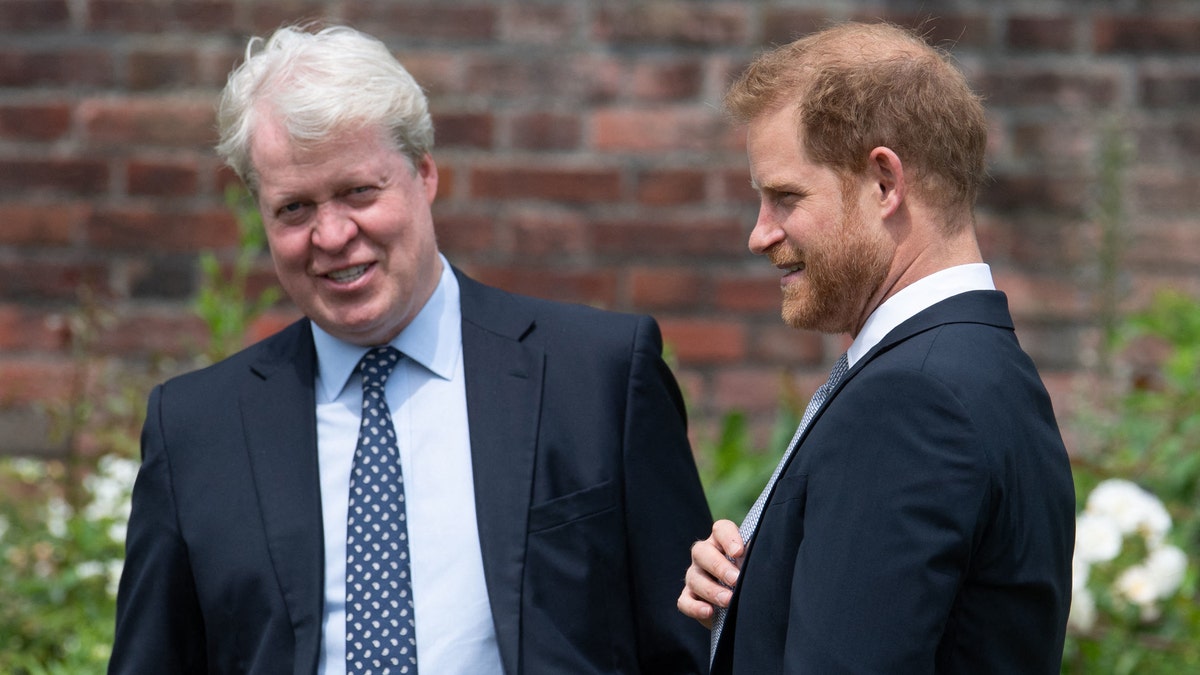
(1147, 432)
(62, 521)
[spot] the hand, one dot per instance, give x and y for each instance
(713, 573)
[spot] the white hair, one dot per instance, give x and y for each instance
(316, 84)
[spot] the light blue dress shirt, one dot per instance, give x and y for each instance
(427, 398)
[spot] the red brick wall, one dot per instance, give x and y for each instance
(584, 158)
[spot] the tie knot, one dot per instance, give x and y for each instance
(377, 364)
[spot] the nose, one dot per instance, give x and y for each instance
(766, 232)
(333, 228)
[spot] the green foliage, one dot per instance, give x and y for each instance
(1148, 432)
(222, 301)
(734, 471)
(62, 521)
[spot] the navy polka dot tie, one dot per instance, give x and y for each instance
(381, 634)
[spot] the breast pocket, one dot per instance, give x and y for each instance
(571, 507)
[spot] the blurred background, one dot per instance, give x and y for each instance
(584, 157)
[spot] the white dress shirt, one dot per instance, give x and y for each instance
(427, 399)
(915, 298)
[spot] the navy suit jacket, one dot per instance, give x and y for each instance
(925, 523)
(586, 494)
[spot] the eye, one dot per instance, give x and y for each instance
(291, 212)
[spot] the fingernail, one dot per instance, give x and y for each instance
(731, 577)
(724, 597)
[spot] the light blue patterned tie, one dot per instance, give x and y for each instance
(381, 635)
(751, 521)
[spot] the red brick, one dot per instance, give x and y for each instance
(595, 287)
(538, 23)
(161, 178)
(736, 188)
(750, 294)
(1162, 191)
(669, 80)
(35, 121)
(688, 237)
(1030, 85)
(25, 379)
(1163, 88)
(1173, 243)
(23, 328)
(424, 21)
(672, 22)
(265, 17)
(776, 342)
(1067, 140)
(464, 130)
(948, 31)
(548, 233)
(539, 130)
(58, 67)
(42, 223)
(37, 279)
(654, 288)
(84, 177)
(154, 333)
(517, 79)
(781, 25)
(270, 323)
(749, 390)
(1059, 194)
(708, 341)
(566, 184)
(464, 232)
(163, 68)
(139, 16)
(671, 187)
(31, 15)
(1041, 33)
(1045, 296)
(1159, 35)
(149, 229)
(669, 130)
(173, 122)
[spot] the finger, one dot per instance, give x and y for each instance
(696, 609)
(728, 538)
(703, 587)
(715, 563)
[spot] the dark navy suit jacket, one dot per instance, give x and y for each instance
(925, 523)
(586, 494)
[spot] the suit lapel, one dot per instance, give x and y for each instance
(279, 415)
(987, 307)
(504, 391)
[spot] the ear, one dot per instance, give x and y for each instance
(427, 170)
(886, 170)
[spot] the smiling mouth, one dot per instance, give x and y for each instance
(791, 269)
(348, 274)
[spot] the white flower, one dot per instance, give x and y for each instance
(110, 488)
(1137, 585)
(1129, 506)
(1079, 574)
(58, 512)
(114, 575)
(1083, 611)
(89, 569)
(1166, 566)
(1097, 538)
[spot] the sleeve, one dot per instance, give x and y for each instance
(666, 510)
(897, 489)
(159, 625)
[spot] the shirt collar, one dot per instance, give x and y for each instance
(433, 339)
(915, 298)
